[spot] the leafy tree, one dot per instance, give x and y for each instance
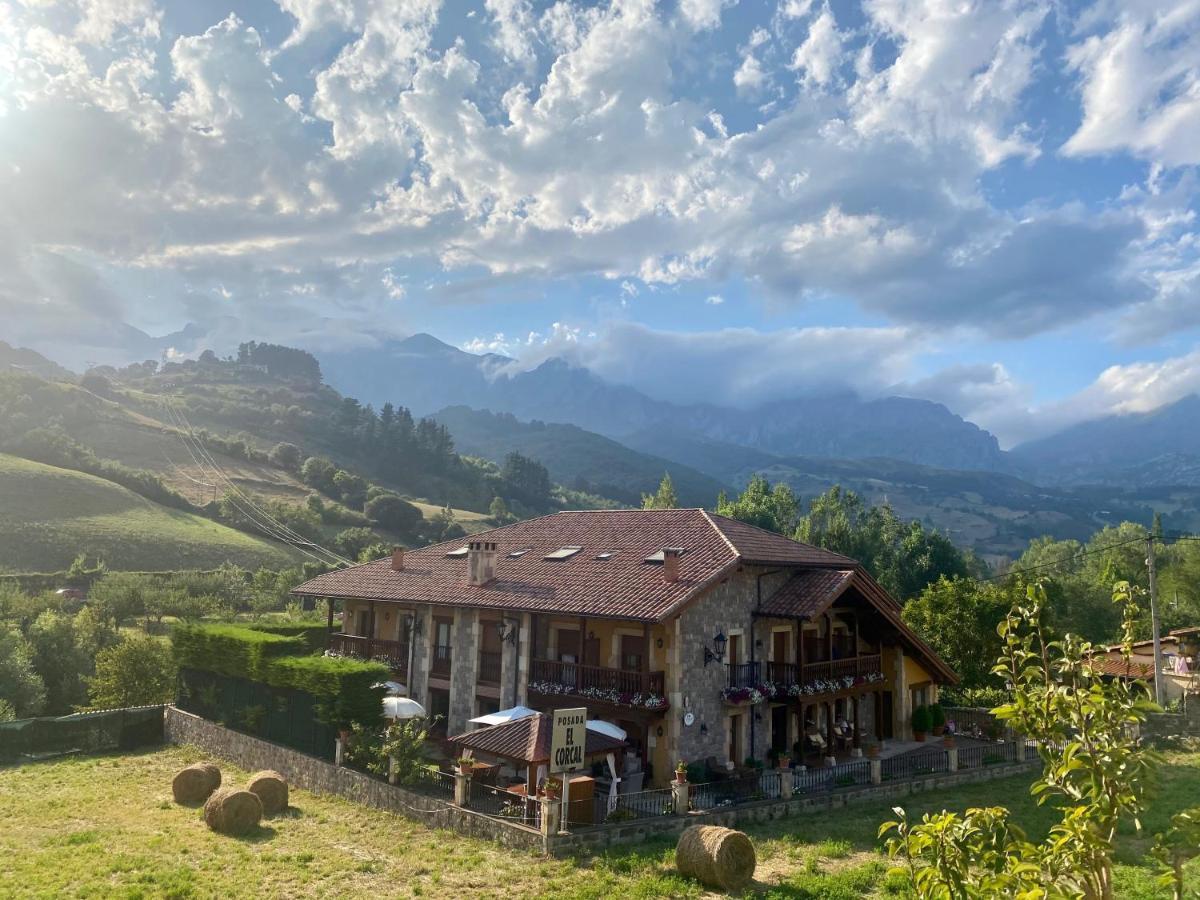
(58, 661)
(393, 513)
(93, 632)
(120, 596)
(664, 497)
(138, 671)
(499, 511)
(1097, 775)
(773, 508)
(20, 685)
(444, 527)
(7, 713)
(318, 472)
(350, 542)
(350, 487)
(281, 362)
(178, 603)
(286, 456)
(527, 478)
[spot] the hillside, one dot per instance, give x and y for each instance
(576, 457)
(50, 515)
(427, 375)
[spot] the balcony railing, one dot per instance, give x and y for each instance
(579, 677)
(751, 674)
(489, 667)
(441, 661)
(393, 653)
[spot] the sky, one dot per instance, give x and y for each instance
(987, 204)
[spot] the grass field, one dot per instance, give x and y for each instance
(49, 515)
(106, 827)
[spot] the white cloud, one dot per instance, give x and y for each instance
(1140, 84)
(818, 57)
(750, 76)
(714, 299)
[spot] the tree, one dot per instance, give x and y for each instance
(58, 660)
(93, 632)
(527, 478)
(393, 513)
(664, 497)
(444, 527)
(286, 456)
(499, 511)
(119, 596)
(350, 542)
(1098, 776)
(318, 472)
(772, 508)
(20, 685)
(178, 603)
(350, 487)
(138, 671)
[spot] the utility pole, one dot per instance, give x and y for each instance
(1158, 660)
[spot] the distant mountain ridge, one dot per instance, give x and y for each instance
(429, 375)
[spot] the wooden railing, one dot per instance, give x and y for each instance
(441, 661)
(744, 675)
(393, 653)
(579, 677)
(489, 667)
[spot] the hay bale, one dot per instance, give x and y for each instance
(272, 790)
(718, 857)
(195, 784)
(230, 811)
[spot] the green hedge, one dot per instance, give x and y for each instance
(314, 634)
(343, 688)
(233, 650)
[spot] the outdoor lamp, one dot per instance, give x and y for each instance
(506, 631)
(717, 653)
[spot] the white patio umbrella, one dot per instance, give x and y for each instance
(607, 728)
(392, 688)
(504, 715)
(402, 708)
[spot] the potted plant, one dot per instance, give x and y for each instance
(465, 765)
(785, 760)
(871, 748)
(551, 788)
(681, 772)
(948, 740)
(920, 722)
(937, 719)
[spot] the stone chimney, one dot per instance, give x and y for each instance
(481, 563)
(671, 563)
(398, 559)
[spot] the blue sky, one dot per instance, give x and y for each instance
(988, 204)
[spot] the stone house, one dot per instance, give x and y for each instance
(704, 638)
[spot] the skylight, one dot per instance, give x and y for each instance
(607, 554)
(517, 554)
(458, 554)
(562, 553)
(657, 557)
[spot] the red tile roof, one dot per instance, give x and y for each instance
(623, 586)
(807, 593)
(528, 740)
(1118, 668)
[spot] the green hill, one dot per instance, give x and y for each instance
(50, 515)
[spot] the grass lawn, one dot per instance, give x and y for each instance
(106, 827)
(52, 514)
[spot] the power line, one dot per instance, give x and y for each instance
(1080, 554)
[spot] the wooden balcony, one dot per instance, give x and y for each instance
(580, 678)
(441, 662)
(489, 667)
(392, 653)
(747, 675)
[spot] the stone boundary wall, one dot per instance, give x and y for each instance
(596, 839)
(321, 777)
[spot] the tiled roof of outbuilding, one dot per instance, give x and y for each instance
(528, 740)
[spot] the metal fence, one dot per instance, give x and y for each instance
(845, 775)
(429, 780)
(976, 722)
(93, 732)
(637, 805)
(913, 765)
(499, 803)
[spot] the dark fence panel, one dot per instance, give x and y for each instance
(639, 805)
(118, 729)
(911, 765)
(281, 715)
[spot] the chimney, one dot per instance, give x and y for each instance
(671, 563)
(398, 559)
(481, 563)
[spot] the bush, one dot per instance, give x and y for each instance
(139, 671)
(393, 513)
(937, 715)
(344, 688)
(234, 650)
(314, 634)
(921, 720)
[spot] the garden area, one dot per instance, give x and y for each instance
(106, 826)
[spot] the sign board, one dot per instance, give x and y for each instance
(568, 739)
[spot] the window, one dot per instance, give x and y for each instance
(459, 553)
(607, 554)
(562, 553)
(517, 554)
(657, 557)
(364, 623)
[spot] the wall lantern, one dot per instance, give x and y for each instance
(507, 631)
(659, 732)
(658, 643)
(717, 653)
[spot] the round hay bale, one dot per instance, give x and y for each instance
(272, 790)
(195, 784)
(718, 857)
(230, 811)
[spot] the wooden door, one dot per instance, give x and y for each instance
(734, 652)
(779, 728)
(779, 647)
(568, 645)
(633, 652)
(735, 739)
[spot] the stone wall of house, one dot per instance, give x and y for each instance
(595, 840)
(320, 777)
(464, 663)
(418, 676)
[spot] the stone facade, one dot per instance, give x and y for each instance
(464, 664)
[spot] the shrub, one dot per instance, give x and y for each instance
(233, 650)
(314, 634)
(937, 715)
(344, 688)
(921, 719)
(138, 671)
